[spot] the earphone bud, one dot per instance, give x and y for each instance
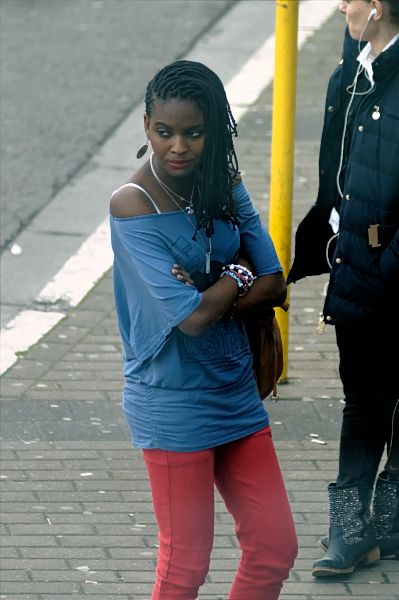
(372, 13)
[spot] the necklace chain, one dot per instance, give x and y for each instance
(169, 192)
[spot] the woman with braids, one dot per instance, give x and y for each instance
(190, 397)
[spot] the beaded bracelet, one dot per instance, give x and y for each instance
(242, 276)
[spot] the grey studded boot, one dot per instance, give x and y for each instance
(386, 515)
(352, 540)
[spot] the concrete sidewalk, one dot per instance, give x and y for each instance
(77, 517)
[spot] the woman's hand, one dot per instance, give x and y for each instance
(182, 275)
(267, 289)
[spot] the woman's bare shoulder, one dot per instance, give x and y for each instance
(130, 201)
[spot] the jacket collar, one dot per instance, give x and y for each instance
(386, 64)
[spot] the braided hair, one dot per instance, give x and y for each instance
(193, 81)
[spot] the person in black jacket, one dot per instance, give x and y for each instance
(353, 231)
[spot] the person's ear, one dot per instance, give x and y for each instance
(377, 10)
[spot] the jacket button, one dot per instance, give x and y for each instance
(360, 128)
(338, 260)
(330, 109)
(328, 318)
(347, 197)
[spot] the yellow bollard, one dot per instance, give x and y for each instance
(282, 149)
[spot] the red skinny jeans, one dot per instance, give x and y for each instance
(248, 477)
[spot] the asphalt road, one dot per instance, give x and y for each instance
(71, 72)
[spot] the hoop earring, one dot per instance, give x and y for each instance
(141, 151)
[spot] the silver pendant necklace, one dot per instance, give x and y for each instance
(186, 212)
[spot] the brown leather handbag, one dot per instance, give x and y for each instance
(267, 349)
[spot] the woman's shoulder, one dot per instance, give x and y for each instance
(132, 200)
(125, 201)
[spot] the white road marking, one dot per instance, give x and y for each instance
(81, 271)
(24, 331)
(94, 258)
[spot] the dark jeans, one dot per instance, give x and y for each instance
(369, 370)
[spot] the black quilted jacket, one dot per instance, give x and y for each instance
(364, 277)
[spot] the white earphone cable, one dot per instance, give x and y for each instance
(353, 93)
(328, 248)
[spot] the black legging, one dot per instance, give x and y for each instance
(369, 370)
